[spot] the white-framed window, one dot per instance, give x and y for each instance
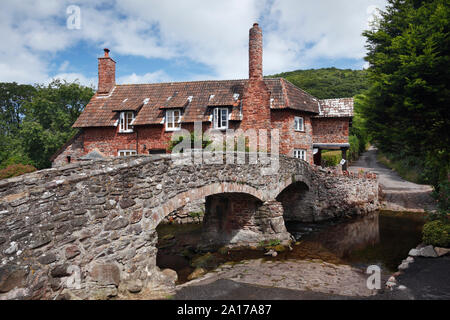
(298, 124)
(126, 119)
(173, 120)
(124, 153)
(300, 154)
(220, 118)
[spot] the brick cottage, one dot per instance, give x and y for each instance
(130, 119)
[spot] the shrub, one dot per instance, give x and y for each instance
(331, 158)
(441, 194)
(353, 152)
(194, 138)
(15, 170)
(437, 233)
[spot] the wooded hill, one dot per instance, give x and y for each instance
(328, 83)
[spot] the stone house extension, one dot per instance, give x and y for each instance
(122, 120)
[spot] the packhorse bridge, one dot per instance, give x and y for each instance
(87, 230)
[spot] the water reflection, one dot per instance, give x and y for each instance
(341, 238)
(379, 238)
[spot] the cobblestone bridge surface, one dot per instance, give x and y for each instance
(87, 230)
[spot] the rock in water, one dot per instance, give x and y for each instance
(428, 251)
(414, 253)
(198, 272)
(441, 251)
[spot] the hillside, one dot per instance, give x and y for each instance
(328, 82)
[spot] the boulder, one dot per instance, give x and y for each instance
(441, 251)
(197, 273)
(428, 251)
(414, 253)
(403, 266)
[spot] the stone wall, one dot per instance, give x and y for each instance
(192, 212)
(87, 229)
(237, 218)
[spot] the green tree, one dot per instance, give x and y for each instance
(406, 109)
(13, 96)
(49, 117)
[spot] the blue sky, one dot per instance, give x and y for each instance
(177, 40)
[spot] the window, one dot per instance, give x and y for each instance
(220, 118)
(298, 124)
(300, 154)
(126, 118)
(173, 120)
(124, 153)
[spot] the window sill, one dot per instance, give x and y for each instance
(303, 131)
(128, 131)
(171, 130)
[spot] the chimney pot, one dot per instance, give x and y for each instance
(106, 52)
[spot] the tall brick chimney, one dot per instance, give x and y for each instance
(106, 73)
(255, 51)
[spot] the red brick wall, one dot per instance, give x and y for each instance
(290, 139)
(108, 140)
(255, 53)
(106, 74)
(330, 130)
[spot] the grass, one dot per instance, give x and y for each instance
(406, 172)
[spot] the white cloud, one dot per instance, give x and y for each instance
(151, 77)
(297, 34)
(74, 77)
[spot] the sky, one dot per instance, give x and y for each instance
(177, 40)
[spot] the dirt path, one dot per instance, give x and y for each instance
(398, 194)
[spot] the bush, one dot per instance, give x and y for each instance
(353, 152)
(331, 158)
(441, 194)
(193, 137)
(437, 233)
(15, 170)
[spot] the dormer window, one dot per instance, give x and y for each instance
(298, 124)
(173, 120)
(126, 120)
(220, 118)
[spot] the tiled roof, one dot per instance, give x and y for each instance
(336, 108)
(195, 98)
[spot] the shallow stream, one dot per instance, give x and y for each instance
(381, 238)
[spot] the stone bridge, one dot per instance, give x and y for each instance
(88, 230)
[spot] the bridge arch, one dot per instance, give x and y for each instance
(158, 213)
(297, 200)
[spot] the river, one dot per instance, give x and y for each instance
(380, 238)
